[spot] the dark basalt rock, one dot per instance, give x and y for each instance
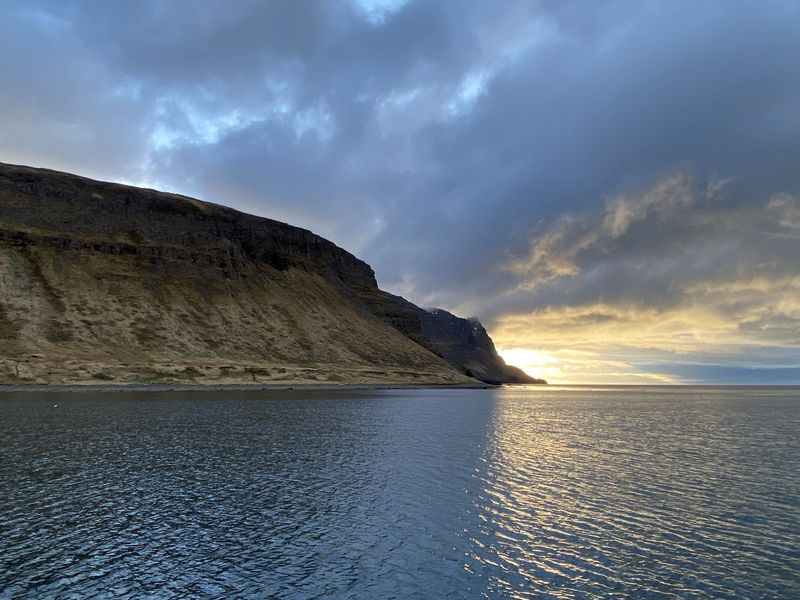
(148, 222)
(464, 343)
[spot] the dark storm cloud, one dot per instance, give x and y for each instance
(498, 159)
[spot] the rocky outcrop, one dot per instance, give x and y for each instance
(70, 212)
(465, 344)
(103, 282)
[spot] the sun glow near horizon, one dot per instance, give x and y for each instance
(607, 344)
(573, 367)
(536, 363)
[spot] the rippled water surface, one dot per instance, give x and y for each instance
(560, 492)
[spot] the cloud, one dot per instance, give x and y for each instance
(555, 253)
(677, 277)
(494, 159)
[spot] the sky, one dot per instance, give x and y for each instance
(612, 187)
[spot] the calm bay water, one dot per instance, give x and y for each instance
(546, 492)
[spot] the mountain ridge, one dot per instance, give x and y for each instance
(113, 283)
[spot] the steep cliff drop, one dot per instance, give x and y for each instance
(465, 344)
(106, 283)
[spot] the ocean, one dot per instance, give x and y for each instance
(517, 492)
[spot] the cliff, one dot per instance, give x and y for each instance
(103, 282)
(465, 344)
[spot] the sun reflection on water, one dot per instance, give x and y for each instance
(577, 501)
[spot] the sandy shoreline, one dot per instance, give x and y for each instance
(243, 387)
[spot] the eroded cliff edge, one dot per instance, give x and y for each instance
(103, 282)
(465, 344)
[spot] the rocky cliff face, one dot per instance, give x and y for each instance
(465, 344)
(102, 282)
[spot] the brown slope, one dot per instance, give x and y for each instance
(102, 282)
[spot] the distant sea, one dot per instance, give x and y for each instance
(561, 492)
